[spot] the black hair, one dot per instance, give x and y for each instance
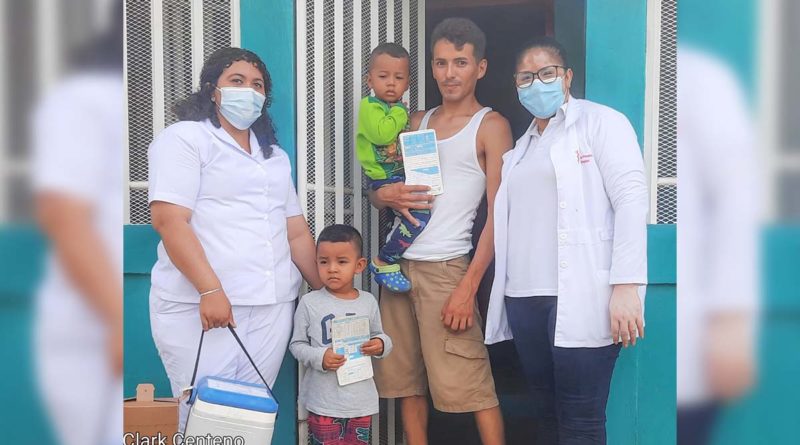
(388, 48)
(546, 43)
(460, 31)
(199, 106)
(341, 233)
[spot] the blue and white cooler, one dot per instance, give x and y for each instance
(230, 409)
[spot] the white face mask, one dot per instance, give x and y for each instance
(241, 106)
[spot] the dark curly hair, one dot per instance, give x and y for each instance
(198, 106)
(459, 31)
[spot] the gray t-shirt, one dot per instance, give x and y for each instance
(320, 391)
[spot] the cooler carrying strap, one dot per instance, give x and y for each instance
(238, 340)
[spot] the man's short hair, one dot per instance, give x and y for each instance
(388, 48)
(341, 233)
(460, 31)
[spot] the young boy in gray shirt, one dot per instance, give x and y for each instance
(337, 414)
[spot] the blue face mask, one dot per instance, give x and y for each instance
(542, 99)
(241, 106)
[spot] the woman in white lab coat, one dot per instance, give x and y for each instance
(570, 246)
(233, 233)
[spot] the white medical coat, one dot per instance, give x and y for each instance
(602, 223)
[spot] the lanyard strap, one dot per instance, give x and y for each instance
(238, 340)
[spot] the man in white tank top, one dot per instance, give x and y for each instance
(439, 318)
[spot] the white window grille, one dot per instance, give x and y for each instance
(38, 36)
(779, 112)
(167, 42)
(661, 111)
(334, 41)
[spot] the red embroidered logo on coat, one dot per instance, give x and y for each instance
(583, 158)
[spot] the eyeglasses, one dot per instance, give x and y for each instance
(548, 74)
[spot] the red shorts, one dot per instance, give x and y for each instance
(324, 430)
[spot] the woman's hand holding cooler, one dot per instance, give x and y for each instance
(215, 310)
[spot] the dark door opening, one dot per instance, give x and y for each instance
(507, 25)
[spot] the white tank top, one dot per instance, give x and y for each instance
(448, 234)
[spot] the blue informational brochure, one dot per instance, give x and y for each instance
(421, 160)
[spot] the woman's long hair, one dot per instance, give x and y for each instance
(199, 106)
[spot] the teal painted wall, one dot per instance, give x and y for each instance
(21, 255)
(267, 28)
(733, 34)
(615, 57)
(769, 413)
(641, 407)
(570, 31)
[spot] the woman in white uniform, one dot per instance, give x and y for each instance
(78, 200)
(234, 240)
(570, 246)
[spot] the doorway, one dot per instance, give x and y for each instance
(508, 24)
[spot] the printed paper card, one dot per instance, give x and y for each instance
(421, 160)
(349, 333)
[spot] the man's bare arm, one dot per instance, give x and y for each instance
(497, 139)
(494, 137)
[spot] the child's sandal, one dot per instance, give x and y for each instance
(390, 277)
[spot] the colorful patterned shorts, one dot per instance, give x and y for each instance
(324, 430)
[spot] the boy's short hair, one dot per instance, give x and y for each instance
(341, 233)
(388, 48)
(460, 31)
